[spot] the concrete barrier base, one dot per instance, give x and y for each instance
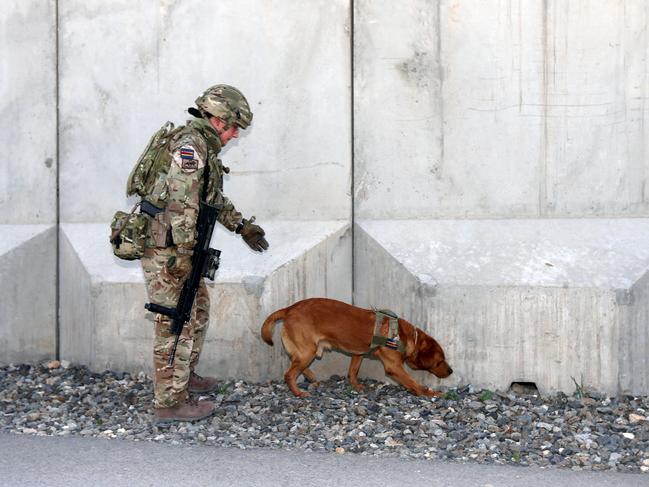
(104, 324)
(541, 301)
(27, 293)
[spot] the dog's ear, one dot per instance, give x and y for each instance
(430, 353)
(421, 357)
(414, 344)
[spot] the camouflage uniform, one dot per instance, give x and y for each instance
(194, 151)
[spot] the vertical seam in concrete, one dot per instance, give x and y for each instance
(520, 57)
(353, 202)
(57, 298)
(643, 98)
(543, 170)
(440, 75)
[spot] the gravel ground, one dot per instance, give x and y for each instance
(590, 433)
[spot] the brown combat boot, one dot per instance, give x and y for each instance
(184, 411)
(202, 384)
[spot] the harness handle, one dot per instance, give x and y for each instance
(392, 341)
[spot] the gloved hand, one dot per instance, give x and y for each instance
(253, 235)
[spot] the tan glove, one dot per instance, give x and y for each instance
(253, 235)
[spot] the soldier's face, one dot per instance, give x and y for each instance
(226, 134)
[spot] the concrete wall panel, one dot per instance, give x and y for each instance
(500, 109)
(104, 324)
(27, 293)
(440, 115)
(77, 340)
(126, 67)
(517, 300)
(596, 88)
(397, 123)
(490, 59)
(634, 339)
(28, 112)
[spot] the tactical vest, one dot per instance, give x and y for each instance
(131, 232)
(148, 177)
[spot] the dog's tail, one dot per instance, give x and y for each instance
(269, 325)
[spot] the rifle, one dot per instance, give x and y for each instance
(205, 262)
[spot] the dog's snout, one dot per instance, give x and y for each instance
(450, 370)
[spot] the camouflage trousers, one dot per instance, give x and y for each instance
(165, 271)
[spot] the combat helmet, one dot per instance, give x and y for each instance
(227, 103)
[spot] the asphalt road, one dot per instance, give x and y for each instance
(74, 461)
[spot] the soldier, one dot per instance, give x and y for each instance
(194, 173)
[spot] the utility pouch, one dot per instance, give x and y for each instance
(128, 234)
(160, 226)
(160, 231)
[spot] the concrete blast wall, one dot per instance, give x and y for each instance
(127, 67)
(485, 109)
(28, 108)
(28, 169)
(472, 110)
(124, 68)
(499, 172)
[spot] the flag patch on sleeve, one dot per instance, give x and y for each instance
(187, 153)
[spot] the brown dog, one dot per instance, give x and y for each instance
(314, 325)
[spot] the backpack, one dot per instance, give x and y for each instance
(153, 162)
(129, 230)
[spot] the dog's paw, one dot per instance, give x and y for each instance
(358, 387)
(431, 393)
(302, 394)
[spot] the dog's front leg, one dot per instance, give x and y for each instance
(394, 369)
(400, 375)
(354, 366)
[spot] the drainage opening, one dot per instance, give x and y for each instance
(528, 388)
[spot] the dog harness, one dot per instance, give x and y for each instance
(392, 341)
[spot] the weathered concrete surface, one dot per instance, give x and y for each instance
(27, 292)
(127, 67)
(103, 321)
(517, 300)
(597, 116)
(28, 112)
(500, 108)
(634, 337)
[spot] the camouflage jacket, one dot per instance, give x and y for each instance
(194, 150)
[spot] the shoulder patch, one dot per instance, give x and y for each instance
(188, 159)
(186, 153)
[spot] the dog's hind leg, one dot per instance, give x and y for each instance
(301, 358)
(323, 346)
(298, 364)
(309, 375)
(354, 367)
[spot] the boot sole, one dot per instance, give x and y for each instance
(167, 421)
